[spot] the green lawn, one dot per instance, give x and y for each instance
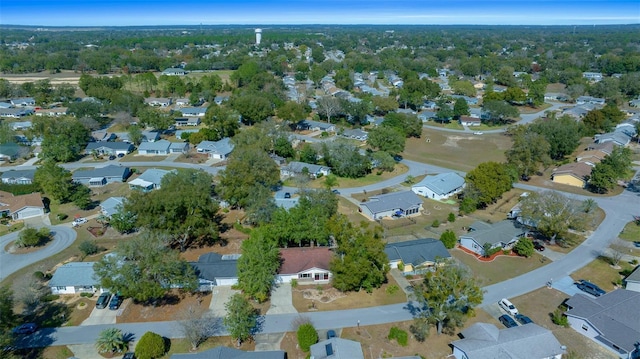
(501, 269)
(630, 232)
(454, 125)
(601, 273)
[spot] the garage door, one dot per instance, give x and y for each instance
(29, 212)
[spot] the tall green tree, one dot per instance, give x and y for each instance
(451, 293)
(529, 152)
(487, 182)
(613, 167)
(563, 135)
(252, 107)
(182, 208)
(388, 139)
(461, 107)
(222, 121)
(8, 317)
(55, 181)
(499, 112)
(241, 319)
(63, 140)
(408, 124)
(258, 265)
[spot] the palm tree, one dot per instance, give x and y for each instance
(111, 340)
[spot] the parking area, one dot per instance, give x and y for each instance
(567, 285)
(220, 296)
(102, 316)
(281, 300)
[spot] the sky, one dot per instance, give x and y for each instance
(294, 12)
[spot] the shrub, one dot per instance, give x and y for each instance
(86, 294)
(39, 275)
(294, 283)
(506, 252)
(435, 223)
(150, 346)
(524, 247)
(392, 289)
(31, 237)
(401, 266)
(452, 217)
(399, 335)
(307, 336)
(50, 297)
(88, 247)
(559, 318)
(633, 262)
(449, 239)
(62, 216)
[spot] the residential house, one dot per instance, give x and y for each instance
(415, 256)
(337, 348)
(193, 111)
(179, 133)
(21, 206)
(18, 176)
(109, 148)
(74, 277)
(429, 105)
(15, 112)
(356, 134)
(309, 125)
(375, 120)
(149, 180)
(592, 76)
(219, 100)
(182, 102)
(469, 121)
(606, 147)
(556, 96)
(101, 176)
(579, 111)
(51, 112)
(395, 204)
(484, 340)
(304, 264)
(503, 235)
(158, 102)
(4, 104)
(231, 353)
(10, 151)
(214, 269)
(619, 138)
(590, 100)
(23, 102)
(103, 136)
(174, 72)
(470, 100)
(635, 103)
(179, 147)
(295, 168)
(150, 136)
(111, 206)
(157, 148)
(425, 116)
(632, 282)
(611, 320)
(187, 121)
(216, 149)
(572, 174)
(591, 157)
(21, 125)
(440, 186)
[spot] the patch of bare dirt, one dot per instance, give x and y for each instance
(171, 307)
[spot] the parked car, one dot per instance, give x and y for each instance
(115, 302)
(538, 246)
(287, 195)
(335, 191)
(507, 321)
(478, 133)
(129, 355)
(590, 288)
(120, 155)
(26, 328)
(331, 334)
(523, 319)
(508, 306)
(112, 157)
(79, 221)
(103, 300)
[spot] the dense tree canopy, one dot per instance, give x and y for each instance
(386, 138)
(258, 264)
(485, 184)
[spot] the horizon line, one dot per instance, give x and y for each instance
(325, 24)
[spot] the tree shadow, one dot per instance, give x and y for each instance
(260, 320)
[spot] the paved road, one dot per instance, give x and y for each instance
(10, 263)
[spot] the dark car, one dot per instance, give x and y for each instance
(287, 195)
(112, 157)
(331, 334)
(115, 302)
(26, 328)
(507, 321)
(120, 155)
(103, 300)
(590, 288)
(129, 355)
(335, 191)
(538, 246)
(523, 319)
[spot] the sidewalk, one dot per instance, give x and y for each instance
(402, 282)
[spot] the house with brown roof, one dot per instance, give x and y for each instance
(606, 147)
(21, 207)
(572, 174)
(304, 264)
(591, 157)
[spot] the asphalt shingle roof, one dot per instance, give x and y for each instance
(417, 251)
(442, 183)
(74, 274)
(212, 265)
(501, 232)
(107, 171)
(391, 201)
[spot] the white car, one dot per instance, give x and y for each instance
(79, 221)
(508, 306)
(478, 133)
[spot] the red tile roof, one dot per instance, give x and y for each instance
(296, 260)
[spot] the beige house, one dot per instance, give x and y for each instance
(572, 174)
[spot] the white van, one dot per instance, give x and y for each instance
(508, 306)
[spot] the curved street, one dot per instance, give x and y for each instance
(63, 238)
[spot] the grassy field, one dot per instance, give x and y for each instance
(456, 150)
(501, 269)
(630, 232)
(453, 125)
(527, 109)
(601, 273)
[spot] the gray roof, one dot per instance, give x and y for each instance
(124, 146)
(337, 348)
(501, 232)
(18, 174)
(297, 167)
(390, 201)
(9, 149)
(223, 147)
(161, 145)
(231, 353)
(74, 274)
(107, 171)
(615, 315)
(111, 205)
(212, 265)
(192, 110)
(153, 175)
(634, 276)
(417, 251)
(485, 341)
(442, 183)
(618, 137)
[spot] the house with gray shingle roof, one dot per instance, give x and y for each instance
(214, 269)
(193, 111)
(18, 176)
(174, 71)
(15, 112)
(101, 176)
(440, 186)
(297, 168)
(109, 148)
(11, 151)
(337, 348)
(504, 234)
(74, 277)
(485, 341)
(23, 101)
(395, 204)
(416, 254)
(111, 205)
(632, 282)
(611, 320)
(216, 149)
(356, 134)
(149, 180)
(157, 148)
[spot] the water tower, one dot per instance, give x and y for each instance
(258, 36)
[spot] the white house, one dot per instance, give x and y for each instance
(304, 264)
(632, 282)
(504, 235)
(22, 206)
(296, 168)
(157, 148)
(74, 277)
(440, 186)
(395, 204)
(216, 149)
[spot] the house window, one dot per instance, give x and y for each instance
(585, 327)
(304, 275)
(61, 288)
(321, 276)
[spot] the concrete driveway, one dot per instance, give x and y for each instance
(220, 296)
(281, 301)
(101, 316)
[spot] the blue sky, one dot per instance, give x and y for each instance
(401, 12)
